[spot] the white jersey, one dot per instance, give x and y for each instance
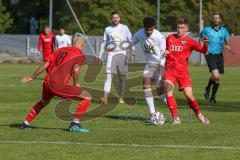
(153, 46)
(115, 34)
(62, 41)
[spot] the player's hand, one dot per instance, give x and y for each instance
(133, 52)
(166, 53)
(205, 41)
(109, 50)
(77, 85)
(227, 47)
(26, 79)
(38, 53)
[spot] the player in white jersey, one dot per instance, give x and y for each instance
(154, 44)
(62, 40)
(117, 62)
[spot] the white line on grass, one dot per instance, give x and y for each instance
(121, 145)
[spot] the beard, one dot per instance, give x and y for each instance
(215, 24)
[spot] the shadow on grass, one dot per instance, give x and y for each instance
(221, 106)
(188, 117)
(127, 118)
(17, 126)
(131, 118)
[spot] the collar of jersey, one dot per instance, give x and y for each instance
(218, 29)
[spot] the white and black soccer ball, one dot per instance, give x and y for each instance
(157, 118)
(124, 45)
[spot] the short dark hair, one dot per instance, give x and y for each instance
(114, 12)
(45, 26)
(149, 22)
(182, 21)
(217, 13)
(61, 27)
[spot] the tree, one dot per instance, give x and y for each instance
(171, 10)
(5, 20)
(230, 11)
(94, 15)
(24, 10)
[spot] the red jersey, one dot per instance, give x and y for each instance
(180, 50)
(61, 65)
(46, 41)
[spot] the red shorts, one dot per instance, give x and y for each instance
(182, 79)
(47, 56)
(65, 91)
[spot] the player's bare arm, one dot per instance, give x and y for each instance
(39, 45)
(227, 46)
(133, 52)
(75, 74)
(39, 70)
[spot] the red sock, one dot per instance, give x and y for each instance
(172, 105)
(194, 105)
(82, 108)
(35, 110)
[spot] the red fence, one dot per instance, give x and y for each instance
(232, 57)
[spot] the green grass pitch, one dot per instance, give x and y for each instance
(121, 134)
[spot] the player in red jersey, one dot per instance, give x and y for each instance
(65, 61)
(179, 48)
(47, 42)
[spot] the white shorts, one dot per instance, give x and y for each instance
(152, 71)
(117, 64)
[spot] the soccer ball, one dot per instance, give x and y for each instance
(157, 118)
(124, 45)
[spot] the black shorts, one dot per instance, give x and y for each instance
(215, 61)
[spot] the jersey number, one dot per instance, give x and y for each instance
(61, 57)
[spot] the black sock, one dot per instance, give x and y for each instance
(215, 89)
(210, 82)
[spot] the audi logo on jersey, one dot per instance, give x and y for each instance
(176, 48)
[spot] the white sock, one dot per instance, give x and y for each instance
(163, 98)
(75, 120)
(26, 122)
(107, 84)
(149, 99)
